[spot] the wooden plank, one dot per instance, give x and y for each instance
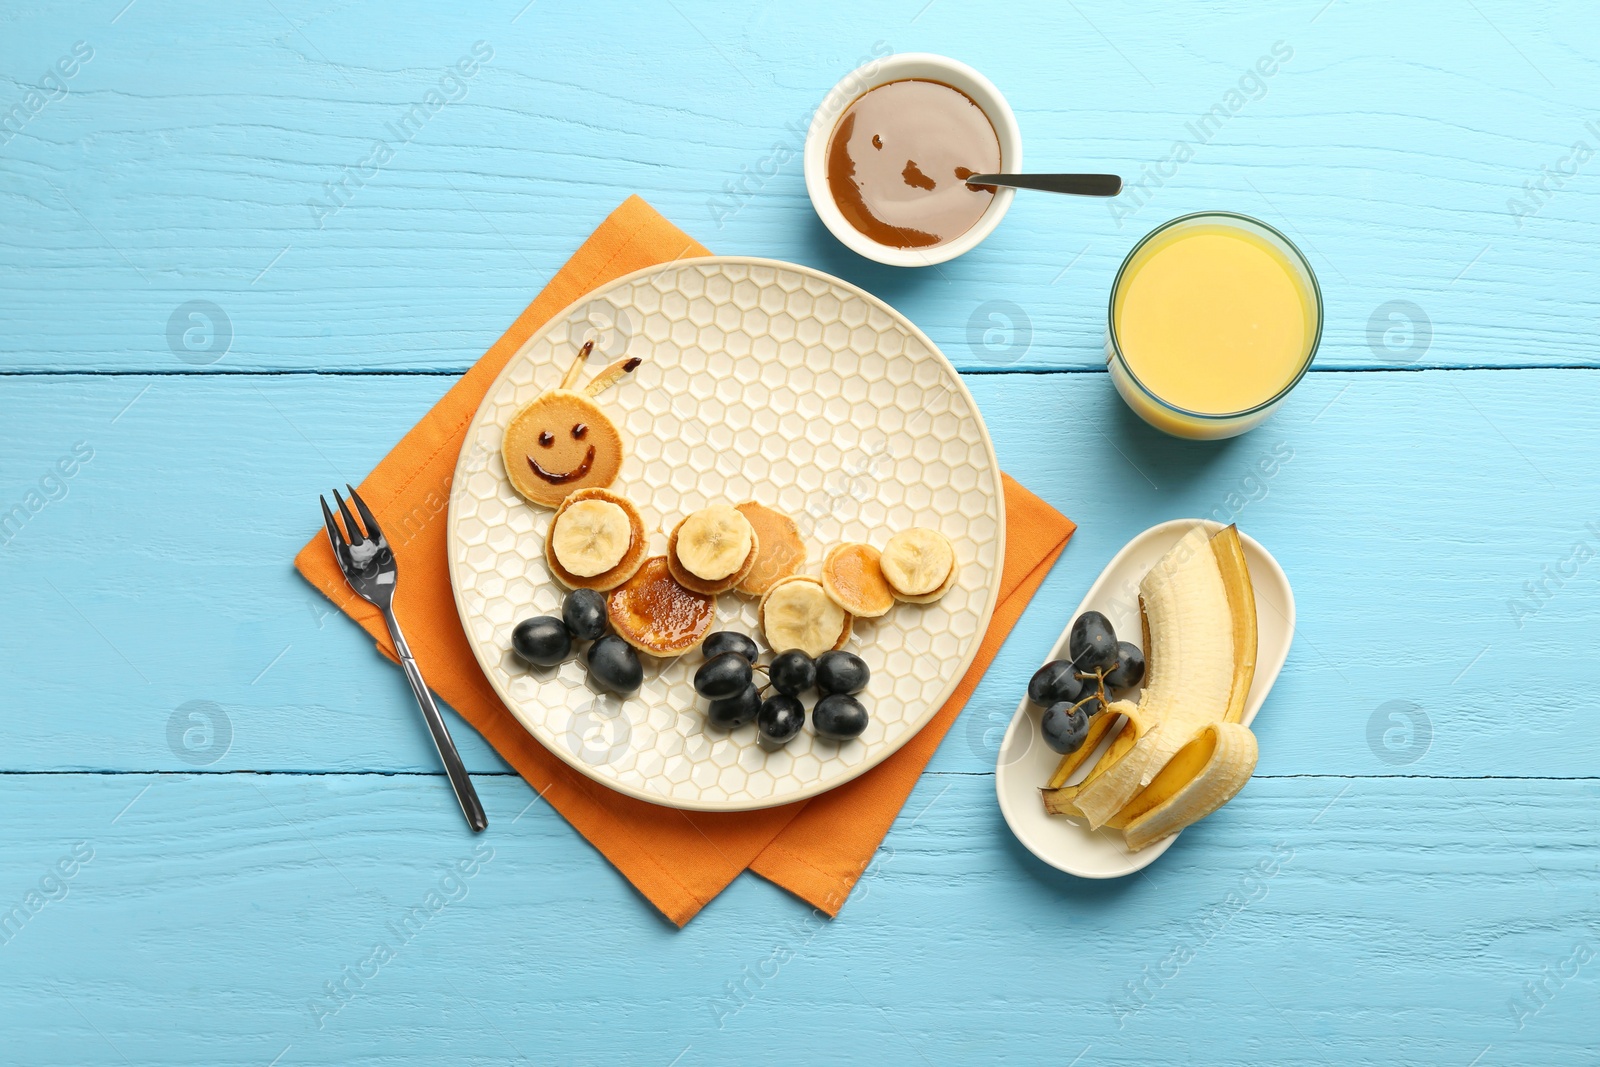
(1392, 144)
(1313, 921)
(1412, 512)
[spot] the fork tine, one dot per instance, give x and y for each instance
(366, 513)
(335, 536)
(349, 521)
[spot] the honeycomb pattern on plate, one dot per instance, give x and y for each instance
(759, 381)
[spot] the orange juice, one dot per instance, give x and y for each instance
(1214, 318)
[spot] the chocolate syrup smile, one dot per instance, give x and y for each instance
(560, 479)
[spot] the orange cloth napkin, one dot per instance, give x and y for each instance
(680, 860)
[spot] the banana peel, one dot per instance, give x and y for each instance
(1205, 774)
(1073, 760)
(1130, 724)
(1181, 753)
(1242, 607)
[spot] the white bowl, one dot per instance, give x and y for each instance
(930, 67)
(1025, 762)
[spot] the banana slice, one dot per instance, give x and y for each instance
(712, 550)
(798, 613)
(595, 528)
(919, 564)
(590, 537)
(714, 542)
(852, 577)
(1202, 776)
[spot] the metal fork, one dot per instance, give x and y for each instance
(369, 566)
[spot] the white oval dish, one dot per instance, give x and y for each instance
(869, 76)
(1026, 763)
(759, 380)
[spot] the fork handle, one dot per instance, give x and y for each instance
(471, 806)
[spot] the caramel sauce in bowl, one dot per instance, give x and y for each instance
(898, 160)
(887, 151)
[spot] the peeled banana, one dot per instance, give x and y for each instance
(1182, 753)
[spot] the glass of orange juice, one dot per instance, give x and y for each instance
(1214, 318)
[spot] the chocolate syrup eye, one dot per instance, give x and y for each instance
(546, 438)
(579, 431)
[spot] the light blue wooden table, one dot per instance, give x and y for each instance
(178, 892)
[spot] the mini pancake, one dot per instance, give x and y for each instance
(655, 614)
(559, 443)
(852, 577)
(700, 585)
(631, 560)
(783, 550)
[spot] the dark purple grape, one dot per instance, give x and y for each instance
(780, 718)
(1064, 727)
(1053, 683)
(722, 676)
(1129, 670)
(614, 665)
(729, 641)
(730, 713)
(1092, 643)
(839, 717)
(584, 613)
(542, 640)
(841, 672)
(792, 672)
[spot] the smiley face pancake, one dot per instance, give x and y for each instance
(561, 441)
(558, 444)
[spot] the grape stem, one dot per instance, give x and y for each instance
(1099, 676)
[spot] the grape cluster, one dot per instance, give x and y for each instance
(546, 641)
(727, 680)
(1072, 691)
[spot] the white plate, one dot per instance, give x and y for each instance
(1026, 762)
(760, 380)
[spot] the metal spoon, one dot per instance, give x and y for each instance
(1077, 184)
